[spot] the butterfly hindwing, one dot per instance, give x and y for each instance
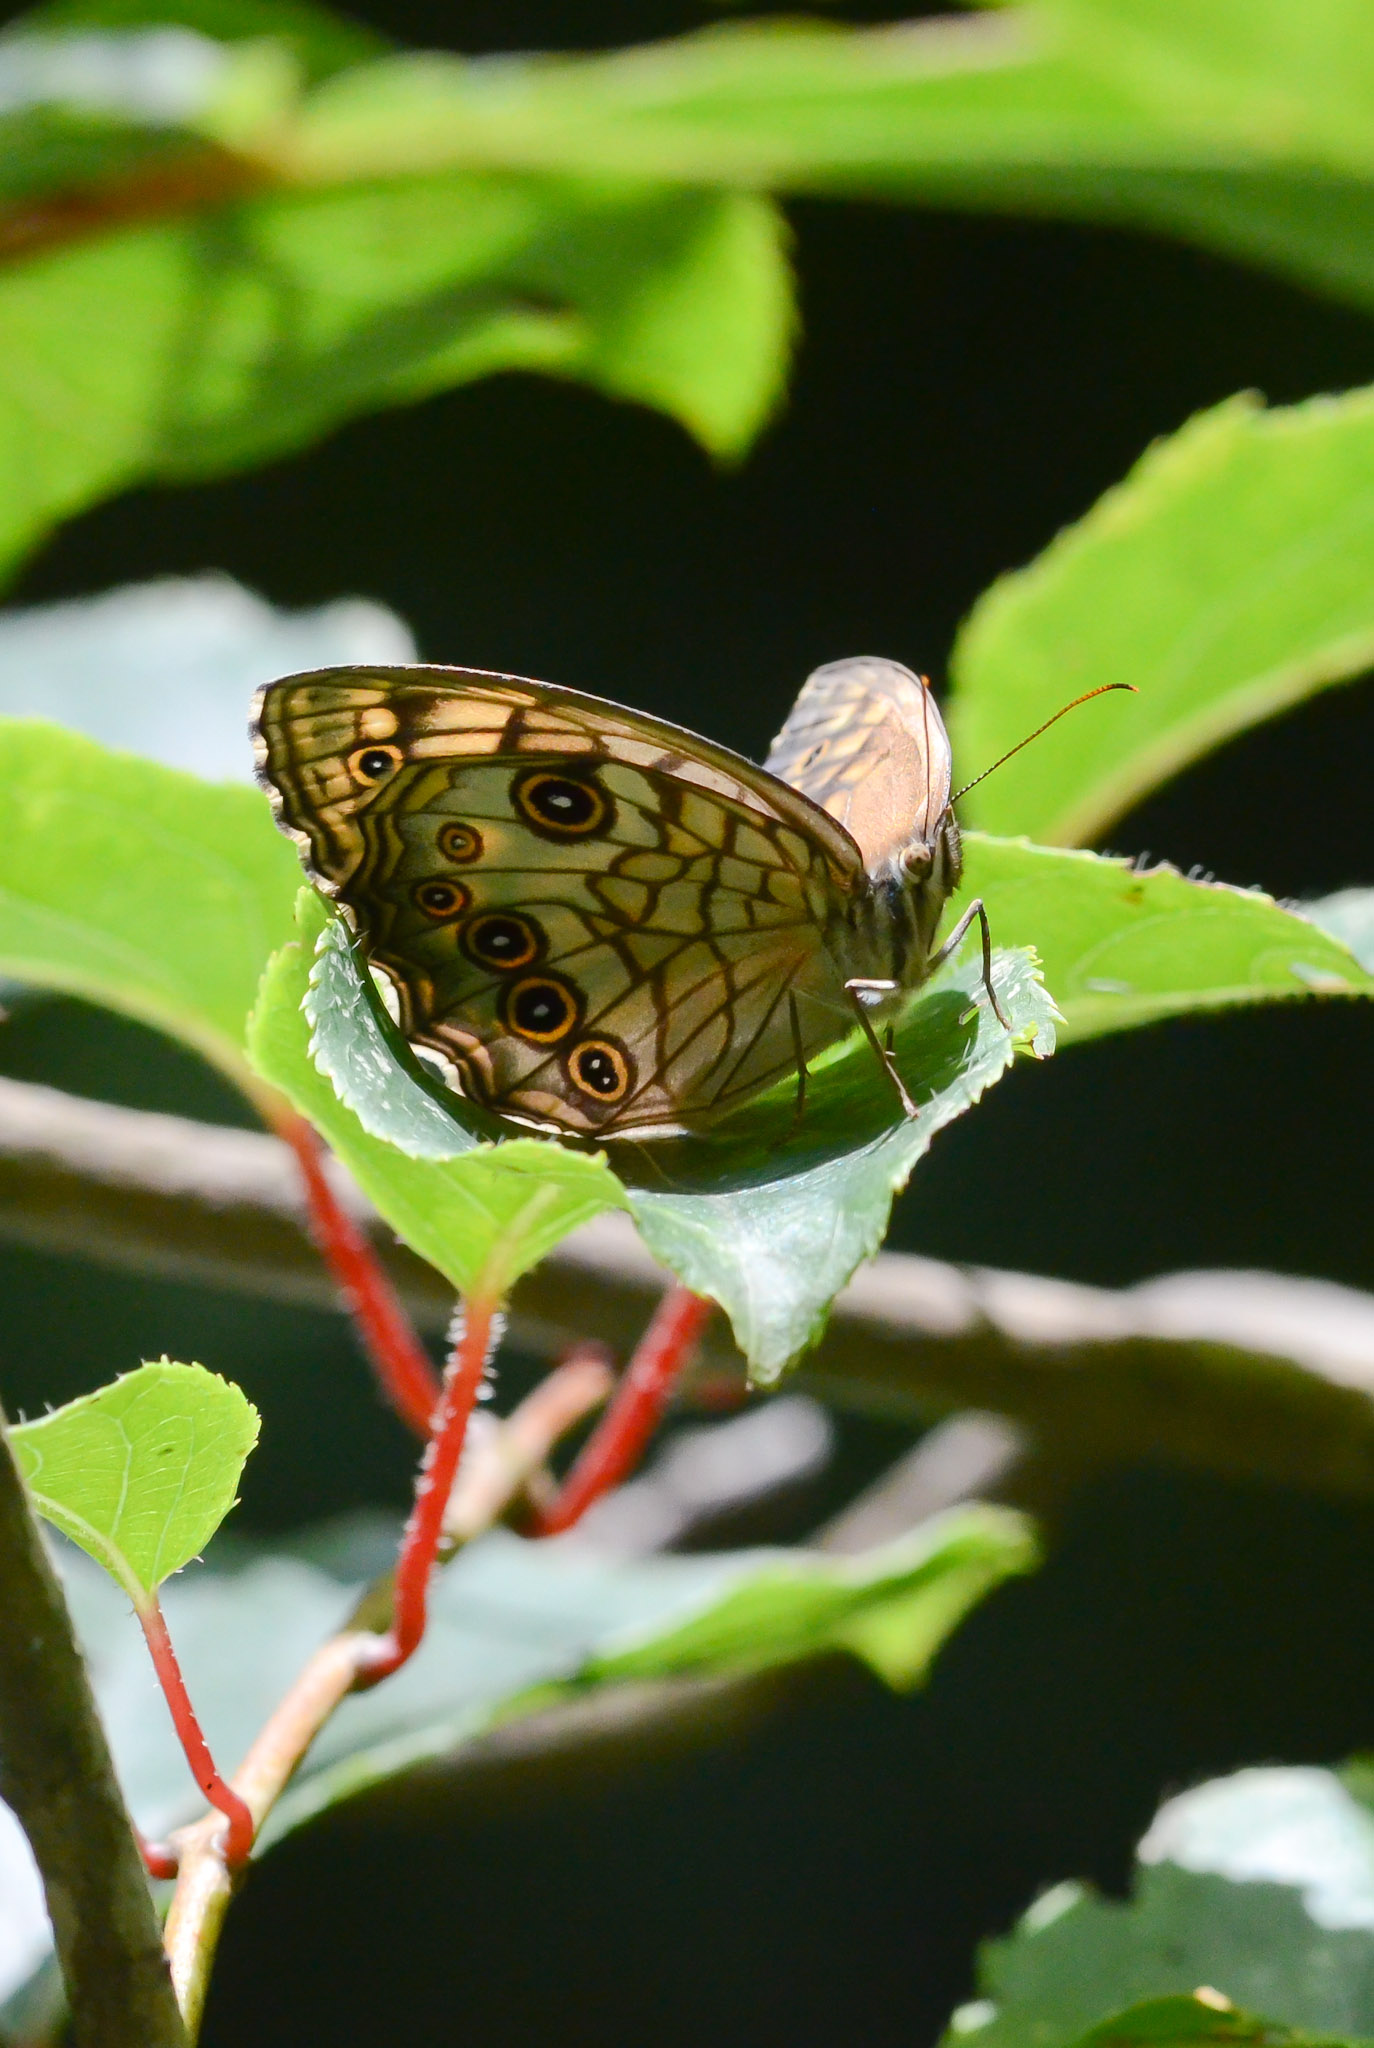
(865, 740)
(603, 924)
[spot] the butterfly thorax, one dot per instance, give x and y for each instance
(893, 922)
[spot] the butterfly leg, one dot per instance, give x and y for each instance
(856, 990)
(955, 940)
(799, 1053)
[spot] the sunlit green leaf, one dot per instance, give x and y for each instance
(141, 1473)
(1205, 2017)
(1123, 946)
(320, 40)
(1229, 576)
(181, 348)
(759, 1225)
(139, 888)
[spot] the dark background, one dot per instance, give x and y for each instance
(964, 387)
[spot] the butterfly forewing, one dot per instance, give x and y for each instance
(606, 925)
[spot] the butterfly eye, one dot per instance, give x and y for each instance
(459, 842)
(600, 1068)
(441, 899)
(374, 764)
(558, 806)
(497, 940)
(540, 1010)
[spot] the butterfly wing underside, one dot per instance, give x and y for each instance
(865, 741)
(603, 925)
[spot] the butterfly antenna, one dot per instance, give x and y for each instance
(1086, 698)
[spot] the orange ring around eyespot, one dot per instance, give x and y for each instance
(523, 928)
(459, 842)
(391, 756)
(449, 899)
(606, 1049)
(525, 991)
(526, 791)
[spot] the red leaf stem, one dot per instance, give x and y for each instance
(398, 1358)
(635, 1409)
(425, 1527)
(239, 1837)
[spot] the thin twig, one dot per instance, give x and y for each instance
(57, 1776)
(493, 1478)
(205, 1884)
(1252, 1375)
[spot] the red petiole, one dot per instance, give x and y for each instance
(425, 1527)
(238, 1839)
(398, 1358)
(635, 1409)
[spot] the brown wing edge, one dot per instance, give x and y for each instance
(781, 796)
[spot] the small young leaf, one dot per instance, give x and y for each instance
(483, 1218)
(139, 888)
(141, 1473)
(1124, 946)
(1229, 576)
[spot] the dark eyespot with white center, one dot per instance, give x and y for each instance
(540, 1010)
(601, 1068)
(561, 806)
(500, 939)
(459, 843)
(374, 764)
(440, 900)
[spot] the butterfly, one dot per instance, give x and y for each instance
(598, 925)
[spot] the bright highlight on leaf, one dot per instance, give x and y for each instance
(141, 1473)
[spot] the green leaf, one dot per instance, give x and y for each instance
(892, 1607)
(1260, 1886)
(182, 348)
(1124, 946)
(483, 1218)
(139, 888)
(1053, 108)
(141, 1473)
(1229, 576)
(1349, 917)
(775, 1255)
(515, 1628)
